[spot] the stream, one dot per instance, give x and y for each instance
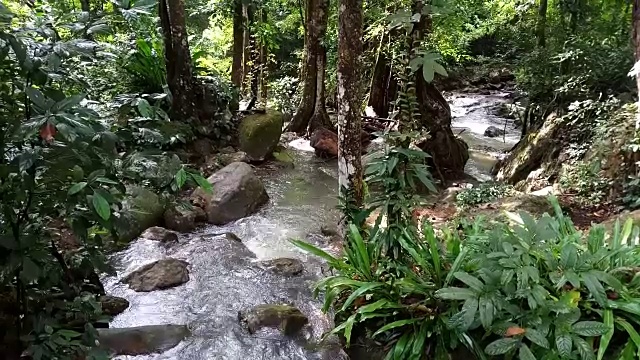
(225, 277)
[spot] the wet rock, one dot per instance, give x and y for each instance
(238, 192)
(181, 218)
(328, 230)
(284, 266)
(288, 137)
(238, 156)
(113, 305)
(325, 143)
(227, 235)
(259, 134)
(161, 234)
(142, 340)
(493, 131)
(288, 319)
(161, 274)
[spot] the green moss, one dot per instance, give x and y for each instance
(259, 134)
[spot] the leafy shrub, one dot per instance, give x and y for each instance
(484, 193)
(545, 290)
(145, 63)
(585, 180)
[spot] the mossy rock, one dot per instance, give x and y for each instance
(259, 134)
(141, 210)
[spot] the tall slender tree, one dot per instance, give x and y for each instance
(636, 43)
(349, 98)
(238, 44)
(311, 113)
(541, 26)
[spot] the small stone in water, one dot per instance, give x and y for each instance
(284, 266)
(287, 318)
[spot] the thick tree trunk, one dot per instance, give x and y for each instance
(255, 64)
(184, 91)
(317, 16)
(238, 44)
(449, 154)
(541, 26)
(349, 102)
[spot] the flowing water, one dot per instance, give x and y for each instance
(225, 278)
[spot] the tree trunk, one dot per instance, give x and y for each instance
(255, 63)
(380, 81)
(542, 23)
(349, 101)
(448, 153)
(184, 91)
(247, 15)
(320, 117)
(238, 44)
(263, 66)
(317, 16)
(636, 43)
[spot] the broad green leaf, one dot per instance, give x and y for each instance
(525, 353)
(38, 98)
(77, 187)
(69, 334)
(501, 346)
(181, 178)
(99, 29)
(584, 349)
(607, 317)
(68, 103)
(145, 109)
(469, 309)
(101, 205)
(105, 180)
(564, 344)
(537, 338)
(203, 183)
(470, 281)
(395, 324)
(595, 288)
(590, 328)
(454, 293)
(487, 311)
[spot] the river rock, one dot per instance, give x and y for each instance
(288, 319)
(237, 156)
(259, 134)
(158, 275)
(161, 234)
(113, 305)
(325, 143)
(237, 192)
(180, 218)
(493, 131)
(284, 266)
(329, 230)
(142, 340)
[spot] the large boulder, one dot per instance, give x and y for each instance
(158, 275)
(259, 134)
(237, 192)
(288, 319)
(182, 218)
(141, 210)
(142, 340)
